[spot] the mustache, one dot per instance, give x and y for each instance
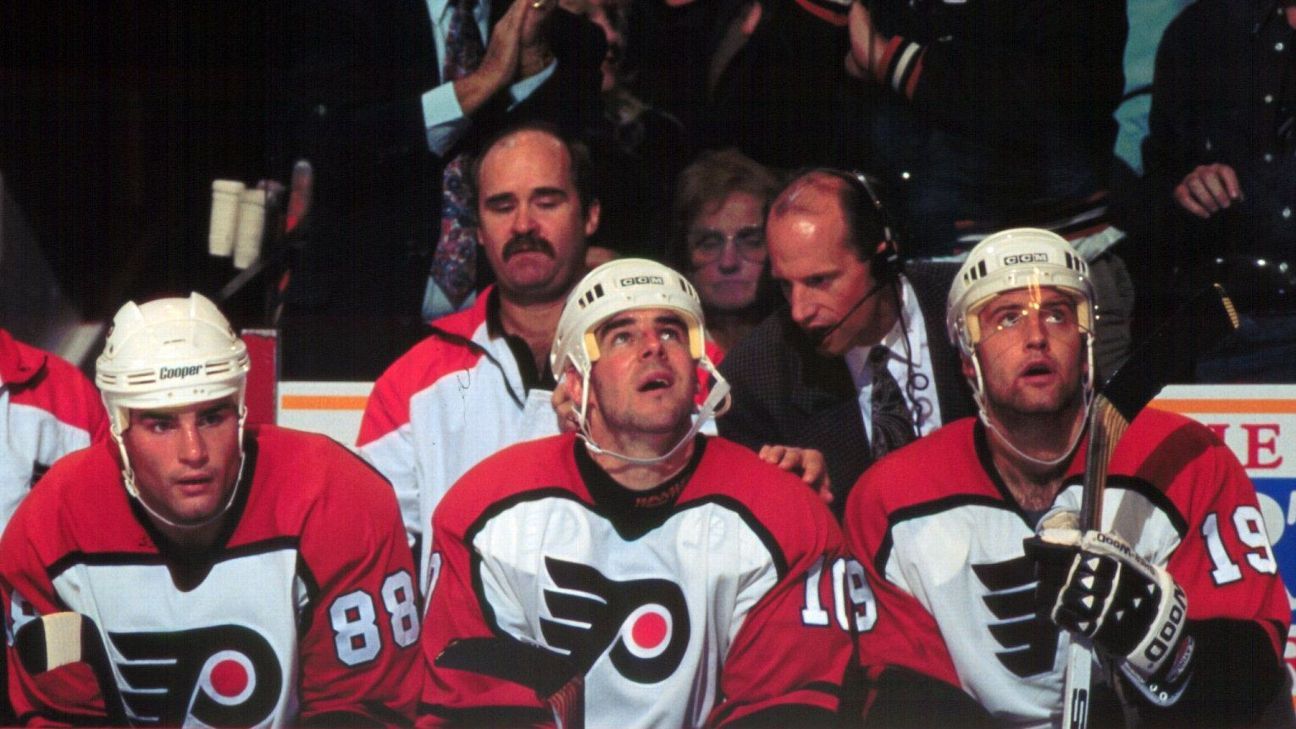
(527, 243)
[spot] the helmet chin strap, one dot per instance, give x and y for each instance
(715, 405)
(128, 478)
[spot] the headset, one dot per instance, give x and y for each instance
(867, 216)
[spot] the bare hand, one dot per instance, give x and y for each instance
(535, 40)
(565, 408)
(807, 463)
(1208, 190)
(866, 44)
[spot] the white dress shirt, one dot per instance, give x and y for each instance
(909, 363)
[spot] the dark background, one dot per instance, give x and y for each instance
(114, 119)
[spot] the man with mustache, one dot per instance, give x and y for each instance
(1176, 589)
(481, 380)
(807, 375)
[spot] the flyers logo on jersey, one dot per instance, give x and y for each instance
(1030, 642)
(644, 622)
(226, 675)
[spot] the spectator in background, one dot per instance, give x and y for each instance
(1131, 199)
(380, 96)
(994, 116)
(857, 363)
(638, 149)
(1221, 158)
(717, 239)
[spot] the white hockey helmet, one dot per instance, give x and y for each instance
(1015, 259)
(1018, 258)
(168, 353)
(623, 285)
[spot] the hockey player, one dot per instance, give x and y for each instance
(47, 410)
(236, 578)
(676, 577)
(1179, 592)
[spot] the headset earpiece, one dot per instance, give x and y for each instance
(867, 208)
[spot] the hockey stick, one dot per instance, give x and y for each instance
(551, 675)
(60, 639)
(1203, 322)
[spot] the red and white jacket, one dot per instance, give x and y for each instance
(47, 410)
(452, 400)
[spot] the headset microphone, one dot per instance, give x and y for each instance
(818, 338)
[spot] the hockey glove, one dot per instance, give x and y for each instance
(1094, 585)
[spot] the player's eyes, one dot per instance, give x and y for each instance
(1010, 319)
(211, 419)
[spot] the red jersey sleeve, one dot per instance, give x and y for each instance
(793, 647)
(64, 696)
(901, 632)
(1225, 563)
(359, 654)
(452, 696)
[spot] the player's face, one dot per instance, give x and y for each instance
(1030, 352)
(822, 277)
(644, 380)
(186, 459)
(727, 252)
(531, 224)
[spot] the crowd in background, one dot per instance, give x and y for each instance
(973, 119)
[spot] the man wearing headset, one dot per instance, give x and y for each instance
(807, 375)
(635, 572)
(216, 575)
(1176, 589)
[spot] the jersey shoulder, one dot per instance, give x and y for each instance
(1158, 445)
(313, 462)
(779, 500)
(943, 464)
(514, 470)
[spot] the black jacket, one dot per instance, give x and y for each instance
(784, 393)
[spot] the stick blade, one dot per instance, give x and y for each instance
(1169, 355)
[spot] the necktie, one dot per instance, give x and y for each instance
(892, 422)
(454, 264)
(464, 47)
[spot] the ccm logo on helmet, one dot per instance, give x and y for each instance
(169, 373)
(1025, 258)
(641, 280)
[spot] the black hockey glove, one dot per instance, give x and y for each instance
(1094, 585)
